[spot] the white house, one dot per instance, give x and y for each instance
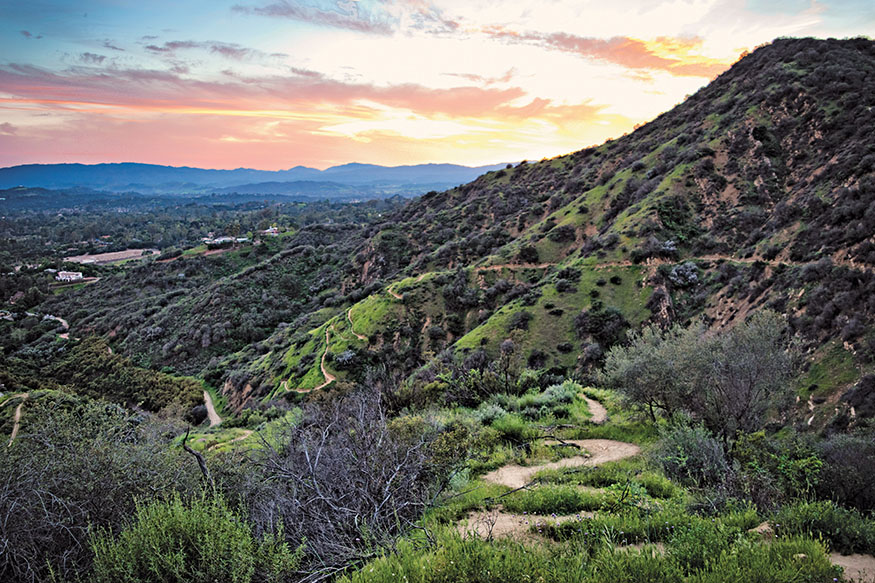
(69, 275)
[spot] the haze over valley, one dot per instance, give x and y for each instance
(383, 291)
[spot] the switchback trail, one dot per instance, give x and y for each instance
(497, 523)
(243, 435)
(211, 410)
(329, 378)
(351, 327)
(16, 419)
(599, 413)
(601, 451)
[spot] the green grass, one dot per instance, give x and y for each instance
(543, 333)
(558, 499)
(833, 369)
(454, 558)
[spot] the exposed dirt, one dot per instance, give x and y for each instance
(352, 329)
(394, 294)
(599, 451)
(16, 418)
(211, 410)
(111, 257)
(329, 378)
(599, 413)
(858, 568)
(515, 266)
(499, 524)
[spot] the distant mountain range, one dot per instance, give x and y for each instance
(367, 179)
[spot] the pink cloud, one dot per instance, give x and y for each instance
(625, 51)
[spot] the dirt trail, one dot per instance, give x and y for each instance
(857, 567)
(394, 294)
(599, 413)
(246, 433)
(516, 266)
(499, 524)
(329, 378)
(600, 451)
(211, 410)
(352, 329)
(16, 419)
(714, 257)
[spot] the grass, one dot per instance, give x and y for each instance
(454, 558)
(556, 499)
(833, 369)
(543, 333)
(614, 473)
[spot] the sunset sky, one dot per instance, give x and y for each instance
(272, 84)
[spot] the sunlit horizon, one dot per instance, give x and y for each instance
(272, 85)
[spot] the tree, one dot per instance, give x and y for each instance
(743, 374)
(730, 381)
(653, 369)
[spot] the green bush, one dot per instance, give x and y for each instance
(692, 546)
(205, 541)
(474, 561)
(693, 457)
(643, 566)
(846, 530)
(513, 428)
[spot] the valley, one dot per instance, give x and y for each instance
(647, 360)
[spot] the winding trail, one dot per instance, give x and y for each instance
(497, 523)
(857, 567)
(329, 378)
(243, 435)
(599, 413)
(211, 410)
(394, 294)
(351, 326)
(16, 418)
(600, 451)
(515, 266)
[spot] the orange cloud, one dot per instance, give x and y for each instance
(675, 55)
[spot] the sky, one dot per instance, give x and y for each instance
(272, 84)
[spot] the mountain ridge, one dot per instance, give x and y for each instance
(155, 178)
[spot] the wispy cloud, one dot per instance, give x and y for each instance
(164, 91)
(92, 58)
(28, 35)
(672, 55)
(8, 129)
(381, 17)
(348, 15)
(227, 50)
(108, 44)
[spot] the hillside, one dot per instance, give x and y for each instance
(757, 191)
(647, 361)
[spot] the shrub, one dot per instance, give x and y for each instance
(487, 413)
(693, 545)
(847, 531)
(513, 428)
(848, 472)
(693, 457)
(202, 542)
